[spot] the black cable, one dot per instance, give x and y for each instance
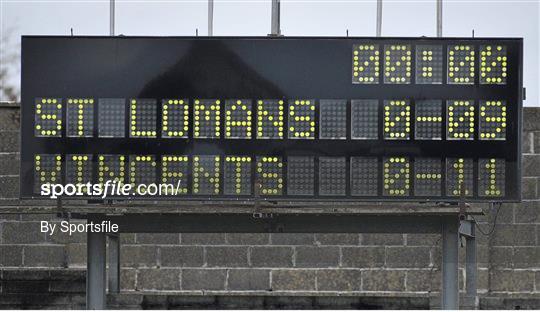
(499, 205)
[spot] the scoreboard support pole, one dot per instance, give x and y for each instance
(448, 225)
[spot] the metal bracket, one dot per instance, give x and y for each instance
(466, 228)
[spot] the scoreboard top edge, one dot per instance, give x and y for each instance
(202, 38)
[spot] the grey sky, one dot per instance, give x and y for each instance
(489, 18)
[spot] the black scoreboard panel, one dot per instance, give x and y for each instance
(326, 119)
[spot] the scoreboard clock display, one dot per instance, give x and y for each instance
(324, 119)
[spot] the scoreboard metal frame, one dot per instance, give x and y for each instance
(295, 70)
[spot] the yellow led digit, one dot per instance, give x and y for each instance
(142, 172)
(174, 173)
(365, 64)
(48, 117)
(429, 64)
(269, 176)
(397, 119)
(143, 121)
(428, 176)
(396, 174)
(492, 122)
(111, 168)
(80, 117)
(48, 169)
(270, 119)
(206, 175)
(238, 119)
(207, 117)
(493, 64)
(302, 119)
(459, 176)
(174, 118)
(79, 170)
(461, 64)
(460, 120)
(397, 64)
(492, 176)
(237, 175)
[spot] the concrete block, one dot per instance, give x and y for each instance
(182, 256)
(227, 256)
(138, 256)
(9, 141)
(293, 280)
(501, 257)
(360, 257)
(247, 238)
(380, 239)
(383, 280)
(527, 212)
(526, 257)
(22, 233)
(158, 279)
(529, 188)
(531, 165)
(9, 164)
(512, 280)
(10, 119)
(25, 274)
(423, 239)
(317, 257)
(76, 255)
(292, 239)
(531, 119)
(128, 279)
(127, 238)
(423, 280)
(536, 142)
(204, 279)
(527, 146)
(67, 287)
(9, 187)
(248, 279)
(62, 238)
(203, 238)
(271, 257)
(10, 255)
(514, 235)
(339, 280)
(45, 256)
(337, 239)
(407, 257)
(158, 238)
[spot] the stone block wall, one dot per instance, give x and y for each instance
(509, 259)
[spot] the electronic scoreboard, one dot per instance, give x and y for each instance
(297, 118)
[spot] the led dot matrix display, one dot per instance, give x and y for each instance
(78, 169)
(492, 121)
(270, 118)
(302, 119)
(300, 175)
(332, 176)
(397, 63)
(396, 174)
(460, 120)
(111, 117)
(238, 119)
(459, 176)
(427, 177)
(111, 168)
(461, 64)
(175, 118)
(493, 64)
(143, 118)
(206, 174)
(175, 170)
(492, 175)
(429, 118)
(333, 119)
(397, 119)
(365, 119)
(48, 117)
(237, 175)
(364, 176)
(47, 169)
(429, 64)
(207, 117)
(366, 65)
(80, 117)
(270, 175)
(142, 171)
